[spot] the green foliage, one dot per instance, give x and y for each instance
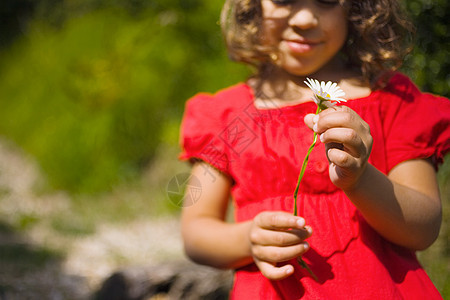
(91, 98)
(74, 100)
(428, 64)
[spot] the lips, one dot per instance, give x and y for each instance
(301, 46)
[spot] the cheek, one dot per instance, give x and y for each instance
(274, 22)
(338, 31)
(343, 24)
(271, 31)
(342, 37)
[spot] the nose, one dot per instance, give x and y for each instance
(303, 18)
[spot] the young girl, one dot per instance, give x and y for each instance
(368, 199)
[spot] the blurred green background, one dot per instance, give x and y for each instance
(94, 91)
(91, 88)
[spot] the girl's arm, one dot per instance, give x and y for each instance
(270, 238)
(404, 206)
(208, 239)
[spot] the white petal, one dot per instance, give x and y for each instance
(317, 84)
(322, 86)
(339, 94)
(313, 86)
(312, 83)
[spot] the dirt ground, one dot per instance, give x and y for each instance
(36, 262)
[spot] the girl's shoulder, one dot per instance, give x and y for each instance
(401, 92)
(205, 122)
(401, 85)
(231, 97)
(415, 124)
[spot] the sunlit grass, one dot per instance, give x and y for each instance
(142, 199)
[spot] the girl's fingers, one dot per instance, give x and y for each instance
(348, 143)
(342, 159)
(343, 126)
(275, 254)
(308, 119)
(280, 238)
(272, 272)
(351, 141)
(335, 109)
(335, 119)
(279, 221)
(341, 116)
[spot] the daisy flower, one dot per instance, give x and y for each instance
(325, 93)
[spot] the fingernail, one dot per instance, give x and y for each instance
(301, 222)
(289, 269)
(309, 229)
(321, 137)
(305, 246)
(316, 119)
(315, 127)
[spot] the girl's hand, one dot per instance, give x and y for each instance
(277, 237)
(347, 141)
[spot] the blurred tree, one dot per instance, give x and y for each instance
(91, 96)
(428, 65)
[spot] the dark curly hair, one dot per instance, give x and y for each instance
(379, 35)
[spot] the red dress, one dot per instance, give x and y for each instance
(262, 151)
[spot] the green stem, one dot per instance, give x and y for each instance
(302, 171)
(304, 265)
(300, 260)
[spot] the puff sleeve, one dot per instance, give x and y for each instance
(201, 132)
(416, 125)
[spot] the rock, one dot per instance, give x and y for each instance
(175, 280)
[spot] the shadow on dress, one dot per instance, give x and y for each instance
(291, 287)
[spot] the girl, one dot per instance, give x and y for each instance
(369, 197)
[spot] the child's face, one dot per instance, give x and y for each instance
(307, 34)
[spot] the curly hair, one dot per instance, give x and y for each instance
(379, 35)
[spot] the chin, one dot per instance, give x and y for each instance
(303, 68)
(302, 71)
(296, 68)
